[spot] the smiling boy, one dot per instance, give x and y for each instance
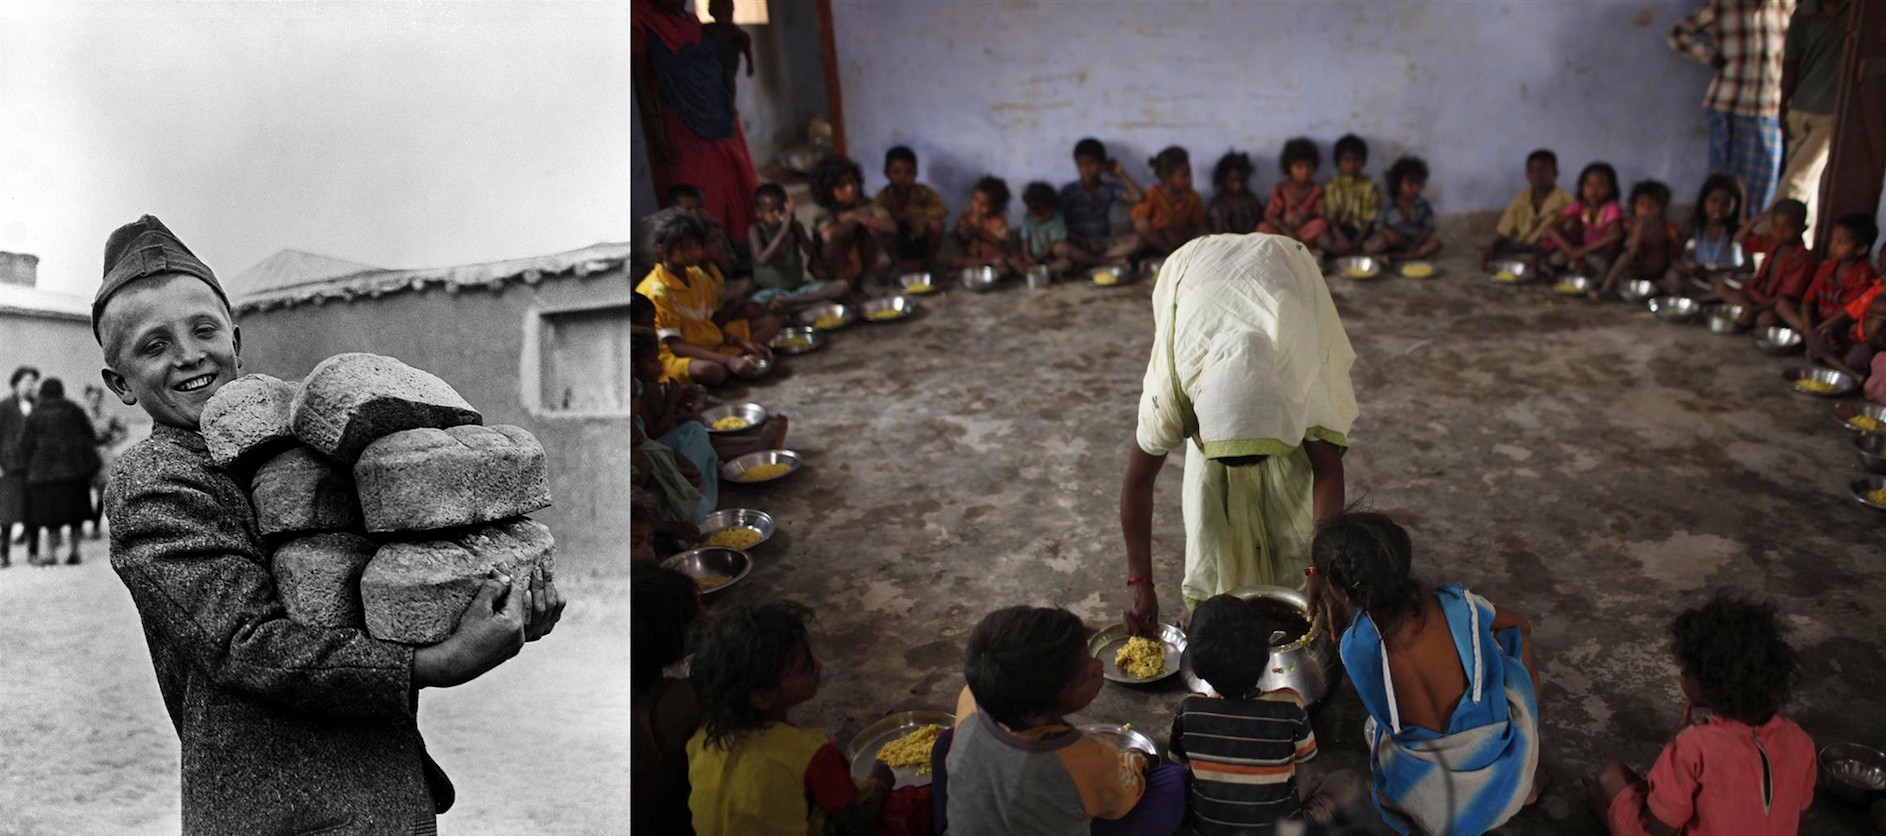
(284, 727)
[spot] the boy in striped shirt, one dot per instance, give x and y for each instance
(1242, 747)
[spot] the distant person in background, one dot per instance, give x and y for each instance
(918, 210)
(693, 133)
(110, 431)
(1810, 71)
(1233, 208)
(731, 44)
(1742, 40)
(60, 455)
(13, 413)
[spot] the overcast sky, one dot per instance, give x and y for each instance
(392, 133)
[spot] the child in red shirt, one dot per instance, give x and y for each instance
(1785, 272)
(1842, 278)
(1746, 770)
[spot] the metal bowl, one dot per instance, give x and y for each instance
(1510, 270)
(900, 309)
(1574, 285)
(712, 562)
(1845, 413)
(812, 315)
(1852, 772)
(797, 340)
(1778, 340)
(1418, 270)
(864, 746)
(1722, 318)
(1360, 267)
(1309, 665)
(731, 470)
(1866, 485)
(1038, 276)
(1107, 643)
(1637, 291)
(1870, 449)
(761, 366)
(1122, 275)
(1121, 738)
(726, 518)
(917, 284)
(979, 279)
(1676, 308)
(1841, 383)
(753, 413)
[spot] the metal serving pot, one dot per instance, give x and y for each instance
(1310, 665)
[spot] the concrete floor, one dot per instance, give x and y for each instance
(1581, 463)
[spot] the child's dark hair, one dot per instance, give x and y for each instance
(681, 190)
(1699, 217)
(1299, 149)
(51, 389)
(741, 652)
(1351, 144)
(900, 152)
(641, 308)
(671, 228)
(997, 190)
(643, 341)
(1793, 210)
(1653, 189)
(1863, 228)
(1039, 197)
(1604, 170)
(1020, 659)
(1090, 148)
(1547, 155)
(20, 374)
(1737, 651)
(1368, 557)
(1232, 161)
(662, 603)
(1224, 642)
(829, 173)
(1403, 170)
(1168, 161)
(770, 191)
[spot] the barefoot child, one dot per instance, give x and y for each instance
(752, 771)
(1589, 232)
(982, 235)
(916, 208)
(1351, 201)
(704, 338)
(845, 225)
(1785, 272)
(780, 248)
(1087, 204)
(1044, 233)
(1296, 203)
(1233, 208)
(1523, 226)
(1407, 229)
(1713, 250)
(1843, 277)
(1171, 213)
(284, 727)
(1650, 244)
(1746, 769)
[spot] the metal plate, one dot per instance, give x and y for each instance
(811, 316)
(812, 340)
(1360, 267)
(1861, 487)
(731, 470)
(1845, 412)
(1123, 275)
(1413, 270)
(864, 746)
(1843, 384)
(900, 308)
(760, 521)
(1107, 643)
(752, 413)
(1121, 737)
(712, 562)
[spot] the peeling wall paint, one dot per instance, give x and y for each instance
(981, 88)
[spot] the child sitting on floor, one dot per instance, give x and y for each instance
(1853, 338)
(1351, 202)
(1589, 232)
(1171, 213)
(1843, 277)
(982, 237)
(1087, 204)
(1407, 229)
(1014, 764)
(1713, 224)
(719, 250)
(1746, 769)
(1296, 203)
(751, 770)
(1242, 747)
(1650, 247)
(663, 713)
(916, 209)
(704, 337)
(1044, 233)
(845, 225)
(1786, 270)
(780, 248)
(1523, 226)
(1233, 208)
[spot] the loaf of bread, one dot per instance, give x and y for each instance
(247, 420)
(318, 578)
(415, 591)
(418, 480)
(302, 492)
(351, 400)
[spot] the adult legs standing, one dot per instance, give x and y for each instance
(1748, 147)
(1809, 137)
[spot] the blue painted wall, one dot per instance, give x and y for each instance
(1007, 88)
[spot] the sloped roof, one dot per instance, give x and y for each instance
(287, 269)
(373, 283)
(47, 304)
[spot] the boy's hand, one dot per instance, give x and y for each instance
(544, 604)
(752, 347)
(740, 365)
(490, 631)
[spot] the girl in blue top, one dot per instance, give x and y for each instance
(1719, 213)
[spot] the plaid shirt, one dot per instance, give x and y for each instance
(1749, 36)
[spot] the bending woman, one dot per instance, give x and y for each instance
(1447, 678)
(1250, 374)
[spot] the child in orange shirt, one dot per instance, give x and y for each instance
(1843, 277)
(982, 234)
(1785, 273)
(705, 334)
(1171, 213)
(1296, 204)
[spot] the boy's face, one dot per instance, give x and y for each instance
(1841, 245)
(27, 387)
(647, 367)
(1786, 227)
(1646, 206)
(901, 173)
(1411, 187)
(1180, 180)
(1089, 168)
(1041, 213)
(690, 204)
(846, 192)
(1085, 687)
(1592, 190)
(1350, 163)
(770, 211)
(170, 346)
(1718, 205)
(687, 254)
(980, 204)
(1541, 174)
(1301, 170)
(1236, 182)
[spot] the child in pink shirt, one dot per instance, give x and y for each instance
(1589, 232)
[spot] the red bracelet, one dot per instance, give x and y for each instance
(1309, 571)
(1146, 581)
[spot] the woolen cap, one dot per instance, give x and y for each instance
(142, 249)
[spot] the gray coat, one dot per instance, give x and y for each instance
(285, 728)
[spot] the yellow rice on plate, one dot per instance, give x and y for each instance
(763, 472)
(1417, 270)
(1106, 279)
(1506, 276)
(1141, 658)
(1877, 497)
(712, 582)
(882, 314)
(1810, 384)
(828, 322)
(731, 423)
(1865, 422)
(911, 750)
(738, 537)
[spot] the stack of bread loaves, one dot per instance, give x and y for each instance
(385, 501)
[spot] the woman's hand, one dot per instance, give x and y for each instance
(1142, 610)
